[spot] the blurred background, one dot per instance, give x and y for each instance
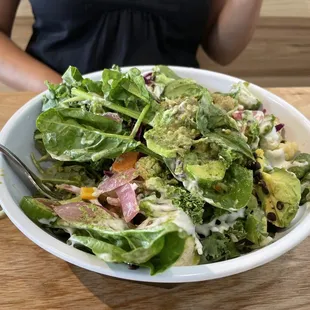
(279, 54)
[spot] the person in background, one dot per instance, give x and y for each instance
(95, 34)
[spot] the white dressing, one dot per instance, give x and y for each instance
(266, 122)
(183, 221)
(226, 221)
(276, 159)
(271, 140)
(165, 211)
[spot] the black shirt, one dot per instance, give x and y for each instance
(95, 34)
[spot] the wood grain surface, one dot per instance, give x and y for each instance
(278, 55)
(31, 278)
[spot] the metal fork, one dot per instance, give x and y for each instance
(34, 179)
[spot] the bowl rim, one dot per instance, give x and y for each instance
(174, 274)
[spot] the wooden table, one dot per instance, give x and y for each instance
(31, 278)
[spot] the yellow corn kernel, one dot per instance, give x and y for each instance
(87, 193)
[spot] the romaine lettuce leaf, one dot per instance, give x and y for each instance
(157, 247)
(38, 210)
(104, 250)
(173, 248)
(158, 256)
(252, 133)
(113, 253)
(157, 243)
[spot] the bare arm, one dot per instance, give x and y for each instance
(230, 28)
(18, 69)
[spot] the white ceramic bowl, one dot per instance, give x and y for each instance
(17, 136)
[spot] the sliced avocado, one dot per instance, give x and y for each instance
(280, 194)
(38, 210)
(164, 151)
(168, 141)
(209, 172)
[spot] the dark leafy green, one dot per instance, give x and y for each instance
(55, 95)
(230, 143)
(72, 174)
(183, 88)
(233, 192)
(191, 204)
(86, 118)
(72, 139)
(129, 90)
(164, 74)
(125, 87)
(72, 77)
(256, 226)
(217, 247)
(301, 171)
(237, 232)
(210, 116)
(92, 86)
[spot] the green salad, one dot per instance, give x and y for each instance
(156, 171)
